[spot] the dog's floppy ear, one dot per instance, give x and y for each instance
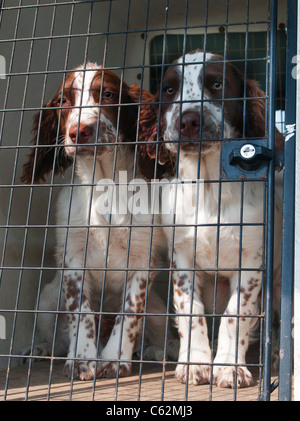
(41, 158)
(255, 114)
(150, 151)
(134, 92)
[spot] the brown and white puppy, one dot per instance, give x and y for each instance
(218, 242)
(105, 250)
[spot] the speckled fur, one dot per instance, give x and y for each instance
(94, 251)
(216, 246)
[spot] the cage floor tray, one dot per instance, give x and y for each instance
(46, 381)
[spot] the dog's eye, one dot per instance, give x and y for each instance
(63, 101)
(107, 95)
(217, 86)
(169, 90)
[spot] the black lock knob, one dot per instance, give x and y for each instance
(250, 157)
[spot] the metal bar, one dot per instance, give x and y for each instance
(99, 313)
(101, 299)
(8, 220)
(127, 276)
(209, 269)
(184, 51)
(143, 330)
(122, 32)
(285, 367)
(270, 207)
(145, 66)
(110, 105)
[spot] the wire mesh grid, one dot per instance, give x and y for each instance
(42, 41)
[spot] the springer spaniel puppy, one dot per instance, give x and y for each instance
(195, 113)
(107, 250)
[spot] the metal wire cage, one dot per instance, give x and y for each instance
(41, 42)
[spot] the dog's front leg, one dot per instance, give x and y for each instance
(81, 328)
(235, 330)
(118, 351)
(192, 330)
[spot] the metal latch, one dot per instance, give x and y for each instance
(250, 157)
(242, 160)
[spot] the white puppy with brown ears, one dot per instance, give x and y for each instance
(106, 257)
(221, 242)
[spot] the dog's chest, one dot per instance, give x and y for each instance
(98, 240)
(208, 222)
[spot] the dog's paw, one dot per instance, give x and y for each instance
(196, 374)
(82, 370)
(227, 377)
(110, 369)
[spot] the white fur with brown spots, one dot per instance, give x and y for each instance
(196, 112)
(102, 254)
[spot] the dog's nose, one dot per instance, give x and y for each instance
(84, 133)
(190, 125)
